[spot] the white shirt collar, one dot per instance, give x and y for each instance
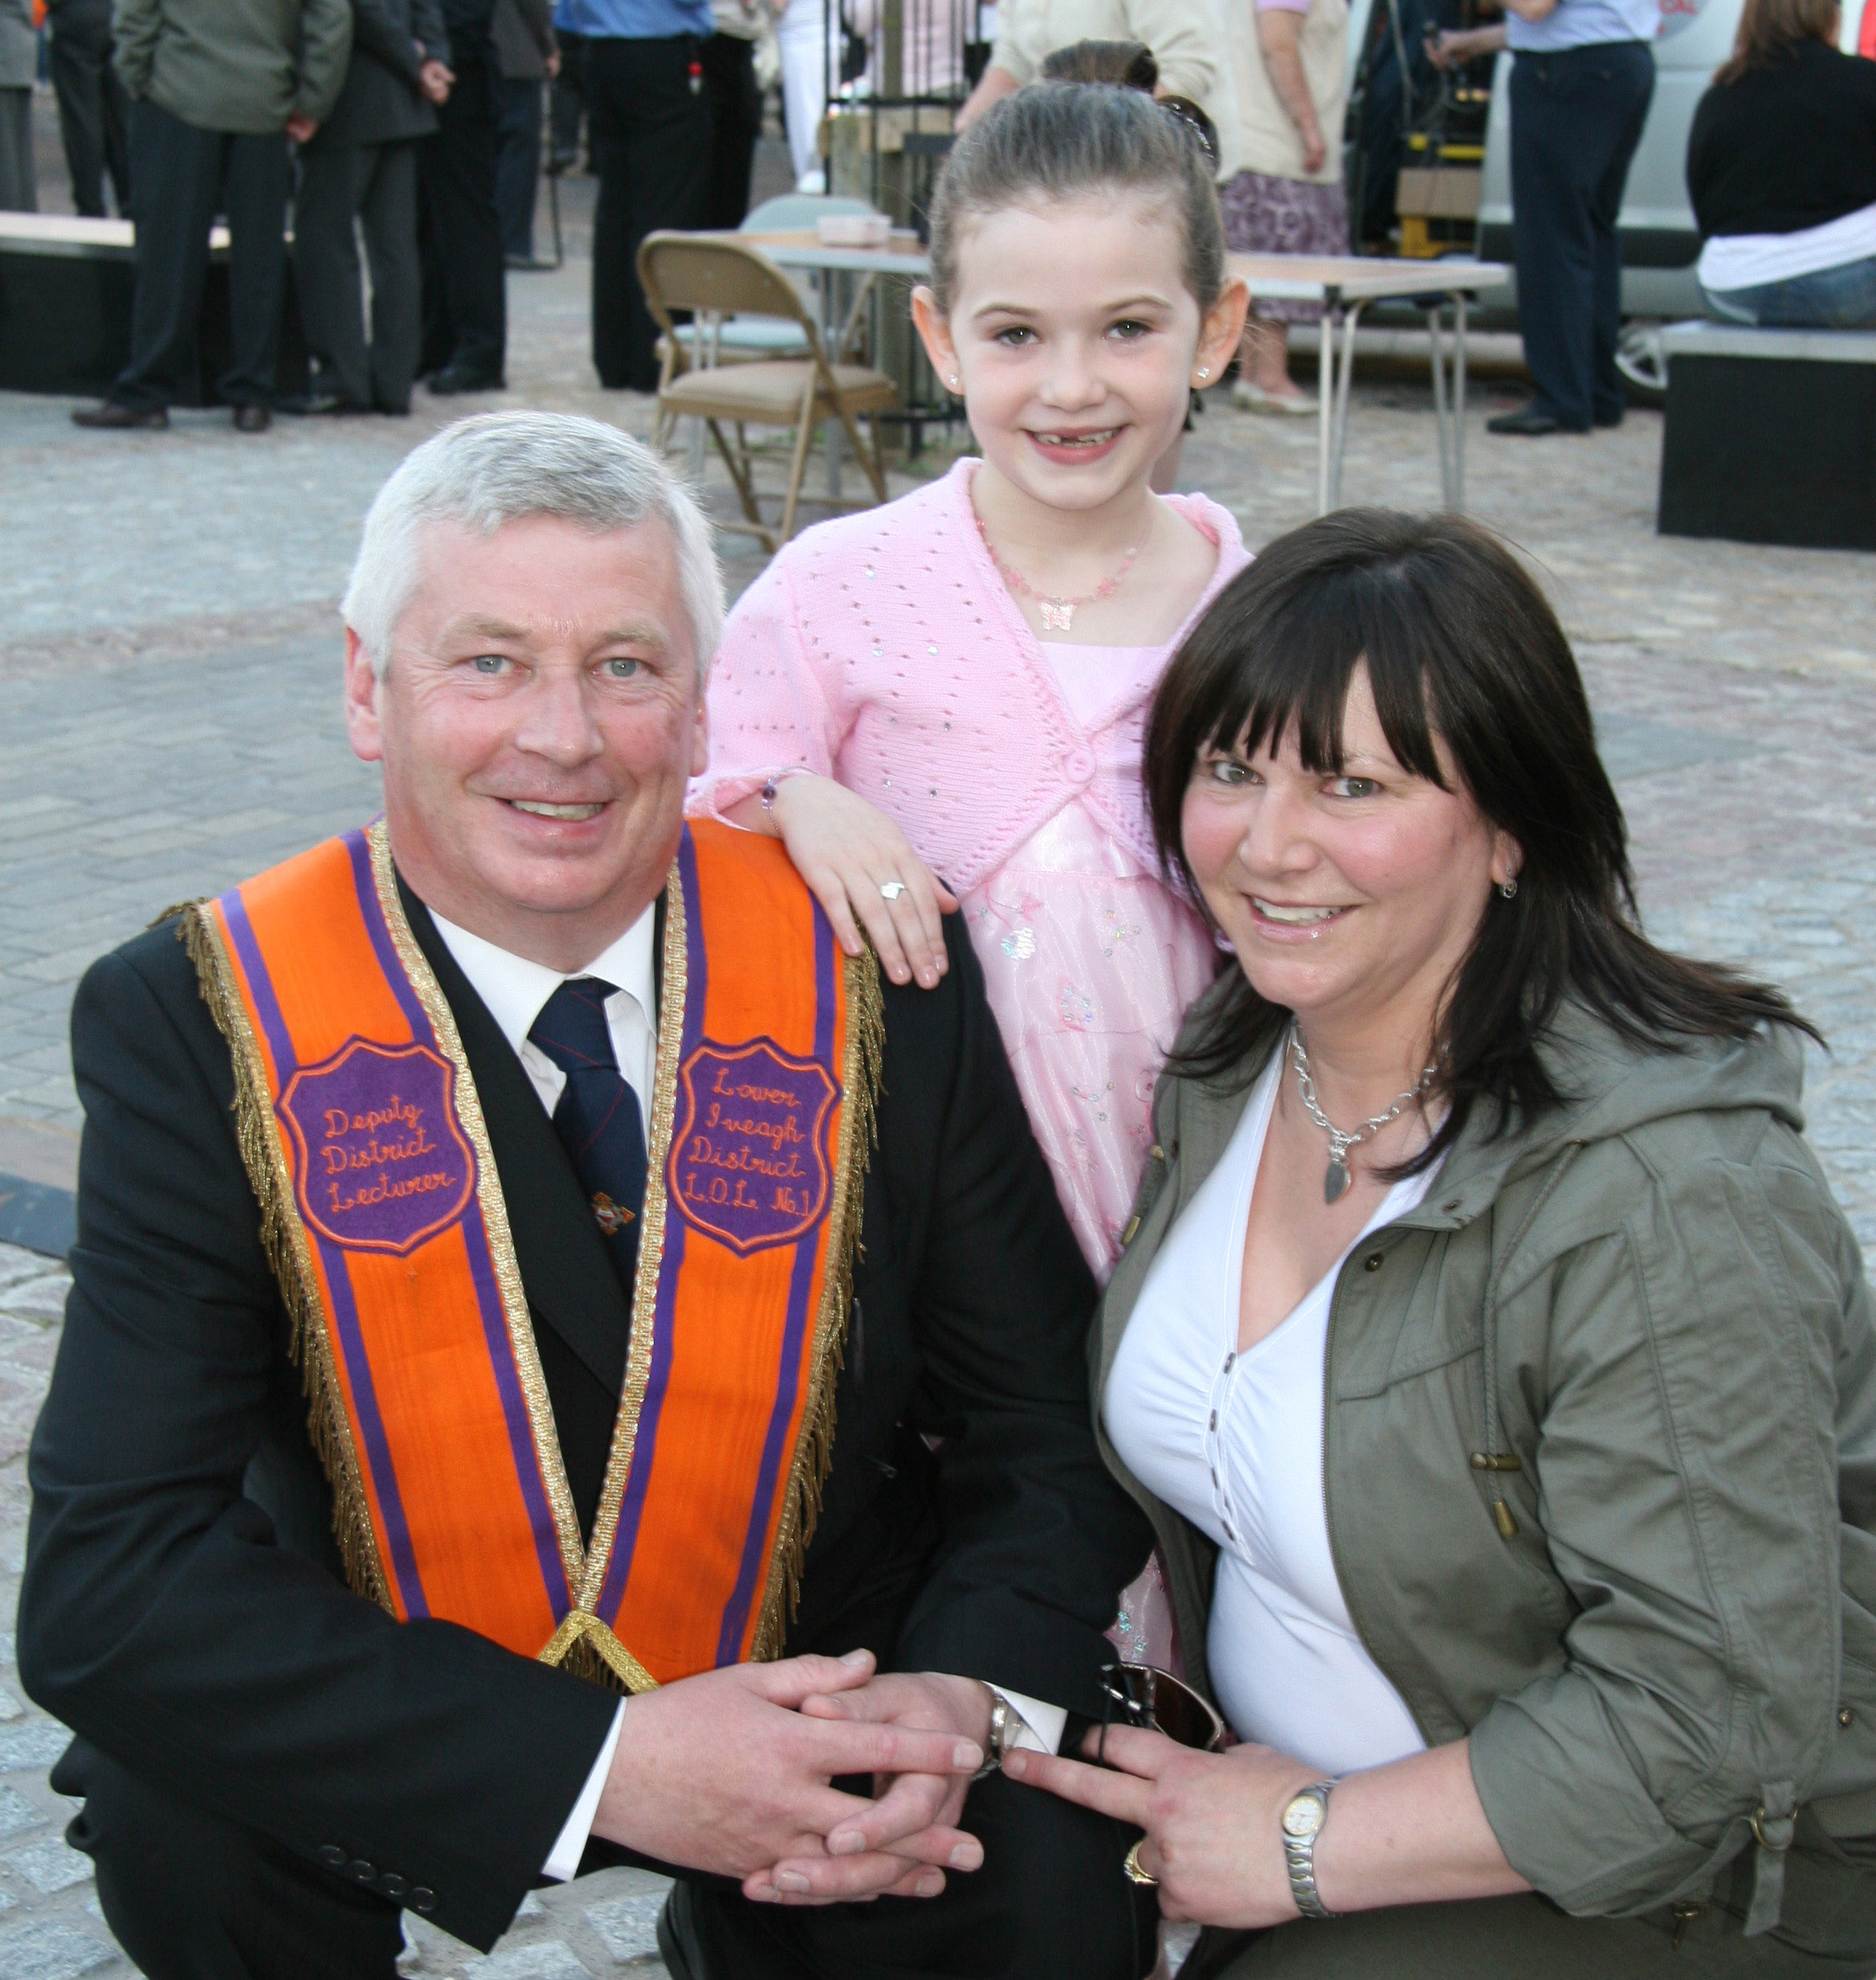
(516, 989)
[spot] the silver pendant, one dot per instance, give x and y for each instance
(1335, 1181)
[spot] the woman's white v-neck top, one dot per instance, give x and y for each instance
(1235, 1441)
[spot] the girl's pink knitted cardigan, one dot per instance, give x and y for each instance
(883, 650)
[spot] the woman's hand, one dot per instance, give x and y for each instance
(1211, 1819)
(846, 851)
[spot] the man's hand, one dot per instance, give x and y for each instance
(723, 1772)
(301, 127)
(882, 1847)
(436, 78)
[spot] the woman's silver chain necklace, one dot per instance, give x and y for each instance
(1336, 1178)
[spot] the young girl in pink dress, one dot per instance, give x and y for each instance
(956, 684)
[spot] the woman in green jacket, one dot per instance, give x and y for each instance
(1489, 1352)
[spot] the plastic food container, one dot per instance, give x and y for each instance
(854, 230)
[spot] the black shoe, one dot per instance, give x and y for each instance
(252, 419)
(1530, 420)
(320, 402)
(454, 378)
(676, 1938)
(528, 264)
(1608, 419)
(111, 418)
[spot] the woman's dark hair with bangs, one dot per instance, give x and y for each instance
(1458, 640)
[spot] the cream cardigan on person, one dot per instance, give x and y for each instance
(884, 650)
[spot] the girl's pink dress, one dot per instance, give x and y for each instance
(884, 650)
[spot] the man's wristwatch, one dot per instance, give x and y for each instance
(1002, 1733)
(1301, 1822)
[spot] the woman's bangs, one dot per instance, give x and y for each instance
(1291, 672)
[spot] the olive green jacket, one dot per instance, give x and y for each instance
(244, 66)
(1640, 1323)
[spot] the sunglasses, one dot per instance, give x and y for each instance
(1156, 1701)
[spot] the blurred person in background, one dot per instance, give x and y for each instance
(736, 108)
(465, 340)
(361, 164)
(1781, 166)
(1290, 62)
(567, 99)
(1187, 38)
(91, 106)
(1580, 89)
(215, 92)
(19, 66)
(801, 35)
(650, 121)
(527, 57)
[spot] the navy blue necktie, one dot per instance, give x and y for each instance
(596, 1116)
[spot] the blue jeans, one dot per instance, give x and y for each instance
(1842, 298)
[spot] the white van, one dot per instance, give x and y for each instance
(1660, 241)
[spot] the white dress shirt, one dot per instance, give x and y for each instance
(1232, 1439)
(515, 991)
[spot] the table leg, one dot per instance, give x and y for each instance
(1347, 370)
(830, 331)
(1459, 402)
(1436, 346)
(1325, 398)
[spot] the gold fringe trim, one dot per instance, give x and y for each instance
(813, 1455)
(284, 1238)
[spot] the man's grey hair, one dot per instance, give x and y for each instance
(502, 467)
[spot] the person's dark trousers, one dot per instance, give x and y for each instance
(1051, 1902)
(184, 177)
(377, 183)
(567, 100)
(92, 106)
(518, 164)
(735, 123)
(1576, 118)
(192, 1897)
(457, 166)
(651, 133)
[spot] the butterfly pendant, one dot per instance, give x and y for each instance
(1056, 617)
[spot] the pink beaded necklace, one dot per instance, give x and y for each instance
(1057, 613)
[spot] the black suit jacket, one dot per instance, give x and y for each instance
(383, 99)
(183, 1608)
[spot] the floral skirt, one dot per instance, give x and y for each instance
(1265, 215)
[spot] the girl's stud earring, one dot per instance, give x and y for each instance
(953, 381)
(1205, 371)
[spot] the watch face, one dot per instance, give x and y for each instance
(1303, 1816)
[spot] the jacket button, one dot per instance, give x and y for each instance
(333, 1856)
(361, 1872)
(391, 1885)
(423, 1898)
(1129, 1233)
(1156, 1153)
(1373, 1261)
(1846, 1716)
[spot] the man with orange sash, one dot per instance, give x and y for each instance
(564, 1365)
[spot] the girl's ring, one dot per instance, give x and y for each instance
(1130, 1865)
(892, 889)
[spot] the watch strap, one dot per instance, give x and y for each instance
(1299, 1855)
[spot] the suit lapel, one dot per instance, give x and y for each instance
(569, 1281)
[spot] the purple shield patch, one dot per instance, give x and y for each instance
(381, 1164)
(749, 1163)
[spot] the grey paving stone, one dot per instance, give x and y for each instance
(17, 1814)
(32, 1747)
(53, 1865)
(47, 1948)
(549, 1959)
(628, 1925)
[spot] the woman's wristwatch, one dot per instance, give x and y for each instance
(1301, 1822)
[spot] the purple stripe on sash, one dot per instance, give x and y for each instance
(344, 1313)
(507, 1381)
(488, 1302)
(637, 1481)
(363, 877)
(736, 1614)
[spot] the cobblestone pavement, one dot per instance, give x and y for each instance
(169, 722)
